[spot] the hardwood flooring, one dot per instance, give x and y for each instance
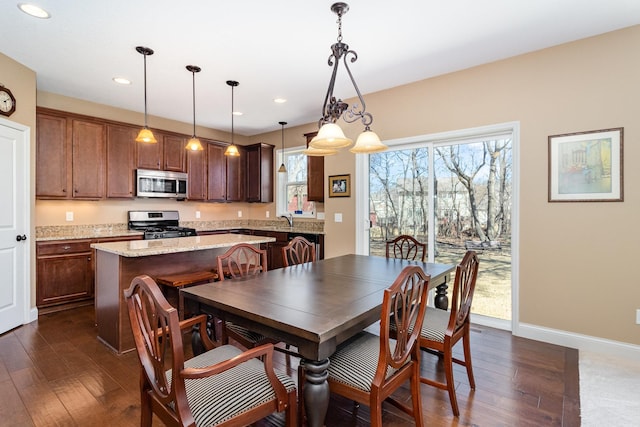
(54, 372)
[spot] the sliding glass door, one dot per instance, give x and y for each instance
(455, 195)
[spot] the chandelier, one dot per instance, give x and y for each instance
(330, 136)
(145, 134)
(194, 143)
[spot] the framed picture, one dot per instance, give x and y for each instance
(586, 166)
(340, 186)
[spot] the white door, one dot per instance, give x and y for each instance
(14, 225)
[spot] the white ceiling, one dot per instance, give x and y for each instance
(277, 48)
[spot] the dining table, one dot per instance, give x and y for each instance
(313, 306)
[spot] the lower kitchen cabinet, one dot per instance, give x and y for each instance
(64, 272)
(274, 249)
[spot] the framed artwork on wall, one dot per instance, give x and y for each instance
(586, 166)
(340, 186)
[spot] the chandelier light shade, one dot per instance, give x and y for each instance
(232, 150)
(283, 168)
(145, 134)
(319, 152)
(194, 143)
(330, 136)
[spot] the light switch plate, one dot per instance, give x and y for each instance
(69, 216)
(638, 316)
(337, 217)
(267, 214)
(197, 214)
(239, 214)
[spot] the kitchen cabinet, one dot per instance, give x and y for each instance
(216, 172)
(236, 177)
(197, 175)
(315, 174)
(88, 159)
(53, 157)
(274, 249)
(225, 175)
(64, 272)
(166, 154)
(174, 153)
(260, 173)
(120, 161)
(70, 154)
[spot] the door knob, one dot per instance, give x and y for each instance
(20, 238)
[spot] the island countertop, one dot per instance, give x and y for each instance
(142, 248)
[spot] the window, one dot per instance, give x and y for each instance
(292, 185)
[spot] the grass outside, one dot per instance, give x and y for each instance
(493, 287)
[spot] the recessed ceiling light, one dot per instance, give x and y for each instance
(237, 113)
(279, 100)
(33, 10)
(122, 81)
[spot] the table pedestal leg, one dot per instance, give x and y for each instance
(441, 299)
(316, 391)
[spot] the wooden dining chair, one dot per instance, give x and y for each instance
(241, 260)
(369, 368)
(298, 251)
(406, 247)
(442, 329)
(220, 387)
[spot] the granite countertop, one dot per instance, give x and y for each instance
(141, 248)
(100, 231)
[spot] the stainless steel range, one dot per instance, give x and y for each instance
(158, 224)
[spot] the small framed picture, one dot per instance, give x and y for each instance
(340, 186)
(586, 166)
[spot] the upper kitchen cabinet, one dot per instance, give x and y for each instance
(167, 154)
(197, 170)
(70, 156)
(225, 175)
(237, 176)
(315, 174)
(88, 154)
(260, 173)
(53, 157)
(121, 161)
(174, 153)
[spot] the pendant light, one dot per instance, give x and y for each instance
(330, 136)
(283, 168)
(145, 134)
(232, 150)
(194, 143)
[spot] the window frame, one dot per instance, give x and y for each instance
(281, 187)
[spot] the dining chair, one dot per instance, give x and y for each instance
(223, 386)
(298, 251)
(442, 329)
(369, 368)
(241, 260)
(406, 247)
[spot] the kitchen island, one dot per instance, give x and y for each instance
(117, 263)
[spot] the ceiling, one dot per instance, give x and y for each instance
(277, 49)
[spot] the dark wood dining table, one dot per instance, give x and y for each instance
(314, 306)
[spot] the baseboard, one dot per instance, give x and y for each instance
(33, 314)
(579, 341)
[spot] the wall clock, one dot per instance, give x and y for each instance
(7, 102)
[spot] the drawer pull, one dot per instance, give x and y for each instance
(66, 247)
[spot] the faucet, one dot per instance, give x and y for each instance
(289, 219)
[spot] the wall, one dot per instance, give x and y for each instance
(576, 259)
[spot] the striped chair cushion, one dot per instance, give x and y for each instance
(435, 325)
(220, 397)
(248, 335)
(356, 361)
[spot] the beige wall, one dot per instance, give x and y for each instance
(575, 258)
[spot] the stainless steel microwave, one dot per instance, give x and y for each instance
(155, 183)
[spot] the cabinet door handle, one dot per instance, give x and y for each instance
(20, 238)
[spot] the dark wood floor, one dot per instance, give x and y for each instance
(54, 372)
